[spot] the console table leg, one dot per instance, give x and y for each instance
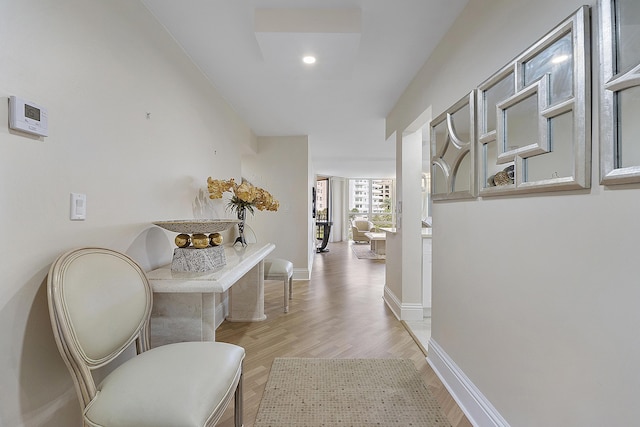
(246, 297)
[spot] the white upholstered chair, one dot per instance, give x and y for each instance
(275, 269)
(100, 304)
(358, 229)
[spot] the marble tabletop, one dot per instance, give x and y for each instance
(239, 261)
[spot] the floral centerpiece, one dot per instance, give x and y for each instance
(244, 197)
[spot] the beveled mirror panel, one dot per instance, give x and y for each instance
(534, 126)
(628, 103)
(520, 125)
(492, 167)
(627, 43)
(503, 89)
(463, 175)
(556, 62)
(620, 91)
(557, 163)
(453, 173)
(438, 181)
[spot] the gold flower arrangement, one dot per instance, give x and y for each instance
(244, 195)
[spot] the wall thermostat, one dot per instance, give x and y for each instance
(27, 116)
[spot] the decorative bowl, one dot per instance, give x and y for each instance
(197, 226)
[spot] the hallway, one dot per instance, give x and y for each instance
(339, 313)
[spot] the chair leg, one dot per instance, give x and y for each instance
(291, 287)
(237, 406)
(287, 289)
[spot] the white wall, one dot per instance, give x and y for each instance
(99, 67)
(282, 167)
(403, 285)
(410, 225)
(534, 297)
(338, 191)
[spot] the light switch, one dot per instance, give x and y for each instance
(78, 207)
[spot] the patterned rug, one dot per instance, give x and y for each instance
(347, 392)
(363, 251)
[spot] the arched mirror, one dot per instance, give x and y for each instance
(453, 152)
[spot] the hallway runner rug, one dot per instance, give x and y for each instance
(347, 392)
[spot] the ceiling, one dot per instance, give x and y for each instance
(367, 53)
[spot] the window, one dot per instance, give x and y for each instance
(371, 199)
(322, 199)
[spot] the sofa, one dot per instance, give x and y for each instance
(359, 227)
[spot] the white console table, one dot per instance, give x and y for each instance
(185, 302)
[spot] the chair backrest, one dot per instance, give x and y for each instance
(99, 303)
(362, 224)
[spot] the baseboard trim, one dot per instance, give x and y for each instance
(411, 312)
(62, 403)
(473, 403)
(402, 311)
(392, 302)
(301, 274)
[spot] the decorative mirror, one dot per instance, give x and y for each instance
(534, 129)
(620, 92)
(425, 182)
(452, 152)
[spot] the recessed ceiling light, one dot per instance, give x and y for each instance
(309, 59)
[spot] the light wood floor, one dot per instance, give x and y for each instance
(339, 313)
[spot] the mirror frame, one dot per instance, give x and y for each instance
(580, 103)
(464, 148)
(610, 173)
